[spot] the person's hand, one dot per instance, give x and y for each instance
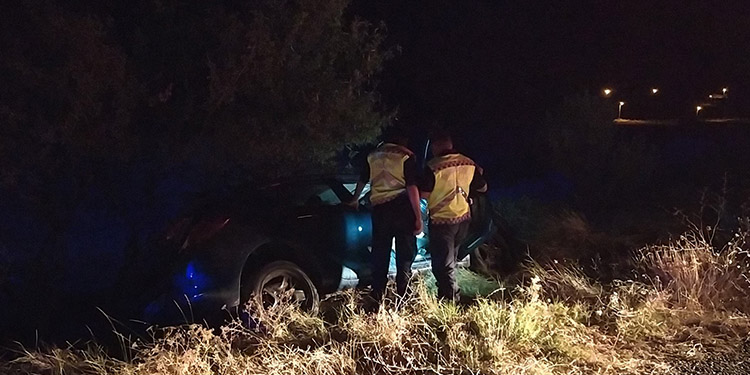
(418, 226)
(354, 203)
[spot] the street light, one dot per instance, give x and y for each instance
(654, 91)
(697, 110)
(607, 92)
(724, 91)
(619, 110)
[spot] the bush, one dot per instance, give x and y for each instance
(556, 321)
(700, 276)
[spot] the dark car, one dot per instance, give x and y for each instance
(289, 240)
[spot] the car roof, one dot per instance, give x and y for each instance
(313, 178)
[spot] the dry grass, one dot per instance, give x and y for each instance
(700, 276)
(693, 300)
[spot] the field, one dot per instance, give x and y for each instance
(684, 311)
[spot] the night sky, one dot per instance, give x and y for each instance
(492, 71)
(490, 62)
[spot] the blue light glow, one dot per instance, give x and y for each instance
(358, 229)
(190, 271)
(194, 281)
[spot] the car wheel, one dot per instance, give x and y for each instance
(281, 282)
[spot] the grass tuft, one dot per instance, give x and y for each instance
(691, 301)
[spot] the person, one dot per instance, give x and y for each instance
(391, 170)
(446, 183)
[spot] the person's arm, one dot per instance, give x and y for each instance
(357, 193)
(427, 183)
(364, 178)
(411, 180)
(413, 192)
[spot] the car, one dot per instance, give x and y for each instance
(293, 240)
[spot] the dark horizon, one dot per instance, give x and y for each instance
(510, 62)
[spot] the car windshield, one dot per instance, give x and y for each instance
(326, 192)
(309, 194)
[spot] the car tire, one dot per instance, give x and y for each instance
(279, 282)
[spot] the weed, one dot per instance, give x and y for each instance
(558, 321)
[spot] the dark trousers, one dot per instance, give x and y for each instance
(394, 219)
(445, 240)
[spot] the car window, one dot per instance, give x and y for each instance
(316, 194)
(328, 197)
(351, 187)
(364, 199)
(319, 193)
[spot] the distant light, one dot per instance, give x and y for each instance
(724, 90)
(698, 109)
(622, 103)
(359, 228)
(654, 90)
(711, 96)
(607, 92)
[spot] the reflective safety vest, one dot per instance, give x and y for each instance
(449, 201)
(387, 180)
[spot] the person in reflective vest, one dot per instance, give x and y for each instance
(392, 173)
(446, 183)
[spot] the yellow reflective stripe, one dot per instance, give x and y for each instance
(446, 201)
(388, 179)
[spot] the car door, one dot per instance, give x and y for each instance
(357, 229)
(363, 215)
(480, 227)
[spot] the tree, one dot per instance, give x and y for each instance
(274, 86)
(296, 87)
(63, 89)
(102, 104)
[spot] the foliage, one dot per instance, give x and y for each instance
(269, 85)
(296, 86)
(557, 321)
(700, 276)
(114, 114)
(63, 88)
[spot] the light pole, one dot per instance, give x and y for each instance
(724, 91)
(698, 110)
(607, 92)
(619, 110)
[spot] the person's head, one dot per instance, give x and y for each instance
(440, 143)
(394, 134)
